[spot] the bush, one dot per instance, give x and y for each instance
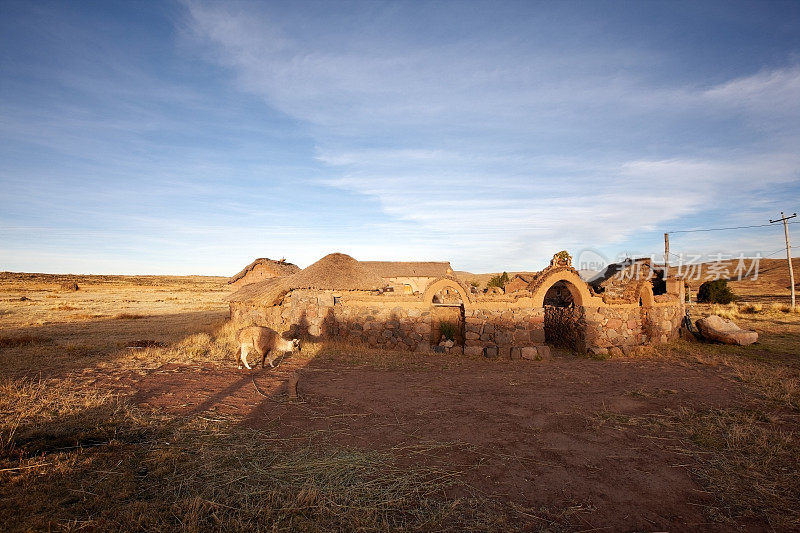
(448, 330)
(498, 281)
(715, 292)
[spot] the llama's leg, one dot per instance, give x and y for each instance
(244, 357)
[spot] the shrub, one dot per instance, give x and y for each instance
(448, 330)
(751, 308)
(715, 292)
(498, 281)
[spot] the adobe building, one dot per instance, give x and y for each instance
(341, 298)
(407, 276)
(260, 270)
(519, 282)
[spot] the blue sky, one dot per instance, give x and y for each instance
(191, 137)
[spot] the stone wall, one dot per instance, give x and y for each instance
(495, 331)
(490, 328)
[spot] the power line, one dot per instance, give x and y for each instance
(724, 229)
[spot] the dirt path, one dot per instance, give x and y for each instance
(540, 435)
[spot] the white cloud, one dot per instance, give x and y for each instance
(496, 156)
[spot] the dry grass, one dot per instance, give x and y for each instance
(745, 460)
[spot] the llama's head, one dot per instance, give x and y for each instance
(296, 345)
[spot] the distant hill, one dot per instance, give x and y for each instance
(771, 285)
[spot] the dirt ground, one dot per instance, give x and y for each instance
(532, 434)
(693, 437)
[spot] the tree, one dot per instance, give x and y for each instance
(498, 281)
(715, 292)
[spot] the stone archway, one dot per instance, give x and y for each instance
(447, 299)
(562, 316)
(577, 288)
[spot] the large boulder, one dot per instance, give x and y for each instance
(718, 329)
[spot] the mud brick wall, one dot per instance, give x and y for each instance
(502, 329)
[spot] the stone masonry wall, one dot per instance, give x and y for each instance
(504, 332)
(492, 330)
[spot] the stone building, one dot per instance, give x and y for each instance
(341, 298)
(407, 276)
(260, 270)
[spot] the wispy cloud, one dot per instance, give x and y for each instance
(272, 129)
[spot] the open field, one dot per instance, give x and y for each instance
(121, 409)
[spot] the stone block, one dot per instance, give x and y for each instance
(423, 347)
(515, 354)
(473, 350)
(490, 352)
(529, 352)
(503, 338)
(537, 336)
(598, 351)
(615, 351)
(544, 352)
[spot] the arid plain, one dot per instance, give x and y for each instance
(121, 408)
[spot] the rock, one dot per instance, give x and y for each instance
(69, 286)
(613, 323)
(530, 353)
(629, 350)
(615, 351)
(503, 338)
(598, 351)
(544, 352)
(490, 352)
(537, 335)
(473, 350)
(515, 354)
(718, 329)
(447, 343)
(438, 349)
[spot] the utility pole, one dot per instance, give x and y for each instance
(784, 219)
(666, 255)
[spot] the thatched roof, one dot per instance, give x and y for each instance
(336, 272)
(266, 291)
(282, 268)
(332, 272)
(409, 269)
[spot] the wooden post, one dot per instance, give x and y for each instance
(666, 255)
(784, 219)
